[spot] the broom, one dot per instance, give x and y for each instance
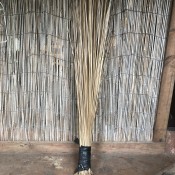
(90, 26)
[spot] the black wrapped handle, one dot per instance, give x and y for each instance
(84, 162)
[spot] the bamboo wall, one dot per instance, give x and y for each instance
(37, 86)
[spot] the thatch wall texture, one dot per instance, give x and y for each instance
(37, 85)
(133, 70)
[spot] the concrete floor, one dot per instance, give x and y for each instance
(65, 163)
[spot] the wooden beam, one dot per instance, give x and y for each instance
(55, 147)
(170, 142)
(167, 84)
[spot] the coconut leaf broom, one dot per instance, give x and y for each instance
(89, 33)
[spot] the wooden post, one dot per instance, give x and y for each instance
(167, 84)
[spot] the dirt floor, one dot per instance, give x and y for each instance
(65, 163)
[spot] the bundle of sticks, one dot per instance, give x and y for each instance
(90, 28)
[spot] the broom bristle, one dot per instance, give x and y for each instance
(90, 26)
(89, 172)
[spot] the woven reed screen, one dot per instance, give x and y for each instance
(37, 86)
